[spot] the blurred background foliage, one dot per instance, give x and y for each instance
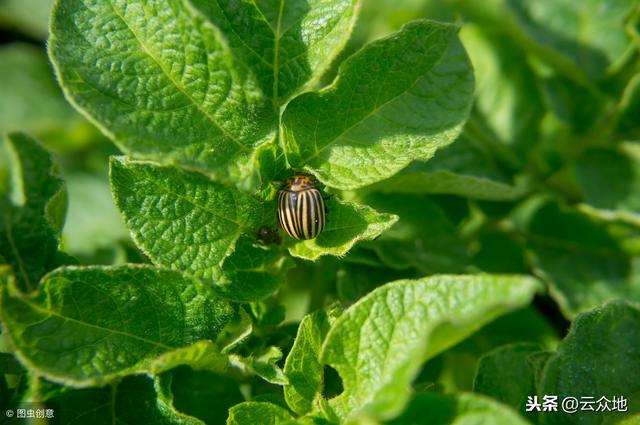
(555, 131)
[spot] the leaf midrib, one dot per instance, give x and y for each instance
(277, 36)
(37, 308)
(181, 89)
(276, 55)
(242, 40)
(167, 191)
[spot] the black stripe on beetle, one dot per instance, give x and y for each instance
(301, 210)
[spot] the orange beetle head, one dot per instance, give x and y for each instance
(300, 182)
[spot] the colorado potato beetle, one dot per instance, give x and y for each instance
(301, 208)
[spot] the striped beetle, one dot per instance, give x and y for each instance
(301, 208)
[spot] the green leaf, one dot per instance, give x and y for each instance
(585, 38)
(397, 100)
(262, 364)
(253, 412)
(203, 355)
(32, 209)
(346, 224)
(184, 221)
(265, 366)
(455, 369)
(28, 16)
(303, 368)
(201, 394)
(162, 83)
(286, 43)
(462, 169)
(381, 17)
(267, 312)
(610, 181)
(252, 272)
(507, 375)
(500, 253)
(161, 205)
(32, 101)
(424, 238)
(524, 325)
(379, 343)
(600, 357)
(89, 326)
(441, 409)
(93, 223)
(236, 332)
(132, 401)
(583, 264)
(576, 104)
(507, 97)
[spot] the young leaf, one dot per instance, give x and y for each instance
(441, 409)
(424, 238)
(254, 412)
(32, 209)
(262, 364)
(265, 366)
(89, 326)
(507, 375)
(379, 343)
(600, 357)
(236, 332)
(286, 43)
(132, 401)
(569, 34)
(162, 83)
(303, 368)
(183, 220)
(397, 100)
(346, 224)
(462, 169)
(584, 264)
(203, 355)
(32, 101)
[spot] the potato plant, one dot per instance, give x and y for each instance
(480, 168)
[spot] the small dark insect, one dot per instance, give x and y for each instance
(267, 236)
(301, 210)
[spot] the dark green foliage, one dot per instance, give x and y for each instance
(480, 167)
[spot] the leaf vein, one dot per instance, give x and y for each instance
(178, 86)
